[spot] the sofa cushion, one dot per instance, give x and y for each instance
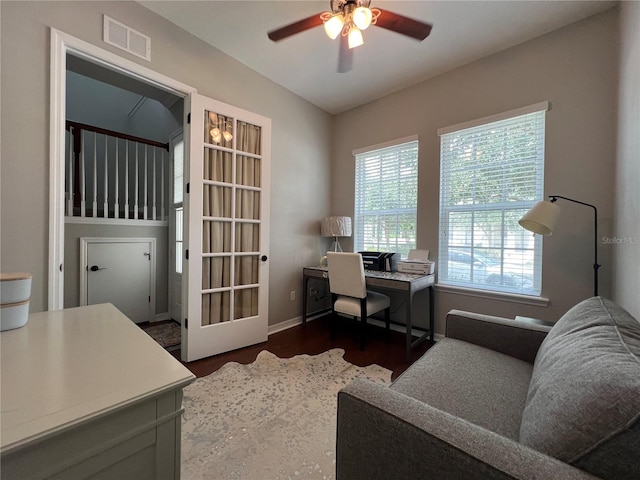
(480, 385)
(583, 405)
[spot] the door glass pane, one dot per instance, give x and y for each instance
(247, 204)
(245, 303)
(249, 138)
(247, 237)
(178, 171)
(178, 254)
(246, 270)
(215, 272)
(216, 237)
(217, 165)
(248, 171)
(216, 307)
(216, 201)
(218, 129)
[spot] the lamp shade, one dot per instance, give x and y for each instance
(362, 17)
(333, 26)
(542, 218)
(335, 227)
(355, 37)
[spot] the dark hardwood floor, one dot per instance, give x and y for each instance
(313, 338)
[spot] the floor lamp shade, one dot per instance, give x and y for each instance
(335, 227)
(542, 218)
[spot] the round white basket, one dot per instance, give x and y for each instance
(14, 287)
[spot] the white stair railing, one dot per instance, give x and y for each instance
(114, 175)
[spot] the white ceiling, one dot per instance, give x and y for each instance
(463, 31)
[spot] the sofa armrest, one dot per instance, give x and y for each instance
(384, 434)
(517, 338)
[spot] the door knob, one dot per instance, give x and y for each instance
(95, 268)
(263, 258)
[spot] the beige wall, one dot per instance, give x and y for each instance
(626, 254)
(575, 69)
(301, 135)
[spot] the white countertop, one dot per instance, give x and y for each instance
(68, 366)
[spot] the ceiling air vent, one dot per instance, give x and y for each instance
(127, 39)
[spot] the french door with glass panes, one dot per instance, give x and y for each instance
(227, 238)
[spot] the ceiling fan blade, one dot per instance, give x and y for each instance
(404, 25)
(345, 56)
(296, 27)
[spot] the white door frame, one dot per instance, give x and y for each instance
(61, 45)
(84, 246)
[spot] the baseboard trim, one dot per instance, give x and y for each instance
(402, 329)
(287, 324)
(294, 322)
(159, 317)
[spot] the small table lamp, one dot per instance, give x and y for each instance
(335, 227)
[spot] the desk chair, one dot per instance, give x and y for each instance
(349, 293)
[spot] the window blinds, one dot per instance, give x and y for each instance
(386, 194)
(490, 175)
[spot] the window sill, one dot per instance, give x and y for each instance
(503, 296)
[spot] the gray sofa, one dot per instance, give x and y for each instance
(497, 398)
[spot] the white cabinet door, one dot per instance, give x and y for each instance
(227, 206)
(120, 273)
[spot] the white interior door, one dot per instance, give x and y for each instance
(119, 272)
(227, 206)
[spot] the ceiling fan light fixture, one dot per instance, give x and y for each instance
(349, 18)
(333, 25)
(227, 136)
(215, 134)
(362, 17)
(355, 37)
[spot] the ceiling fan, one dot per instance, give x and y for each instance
(347, 19)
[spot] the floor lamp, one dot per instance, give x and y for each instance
(335, 227)
(542, 219)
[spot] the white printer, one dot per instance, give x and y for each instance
(418, 262)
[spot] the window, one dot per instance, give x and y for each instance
(179, 227)
(178, 194)
(178, 171)
(491, 173)
(386, 197)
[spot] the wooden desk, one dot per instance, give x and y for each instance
(406, 283)
(85, 391)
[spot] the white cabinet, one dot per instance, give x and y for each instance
(86, 393)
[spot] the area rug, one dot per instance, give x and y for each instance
(166, 334)
(272, 419)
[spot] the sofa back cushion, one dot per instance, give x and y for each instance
(583, 404)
